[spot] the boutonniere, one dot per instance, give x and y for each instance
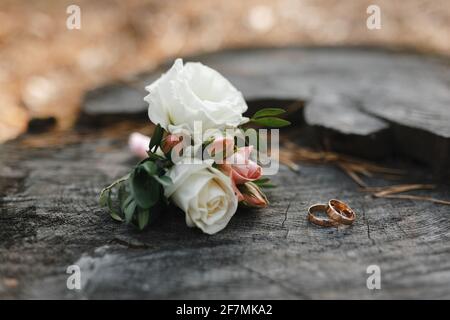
(204, 156)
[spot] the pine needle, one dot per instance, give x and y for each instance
(354, 168)
(412, 197)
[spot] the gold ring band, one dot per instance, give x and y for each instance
(340, 212)
(324, 222)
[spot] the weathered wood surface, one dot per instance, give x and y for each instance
(50, 219)
(386, 99)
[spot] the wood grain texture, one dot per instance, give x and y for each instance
(50, 218)
(386, 98)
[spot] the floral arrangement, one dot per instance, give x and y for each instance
(201, 156)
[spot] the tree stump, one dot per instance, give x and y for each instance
(370, 102)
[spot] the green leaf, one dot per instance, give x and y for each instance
(129, 210)
(155, 141)
(268, 112)
(112, 212)
(268, 186)
(261, 181)
(104, 195)
(155, 191)
(165, 181)
(150, 167)
(271, 122)
(126, 202)
(123, 195)
(145, 189)
(153, 156)
(264, 183)
(106, 201)
(118, 181)
(115, 216)
(143, 217)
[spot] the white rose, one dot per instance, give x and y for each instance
(194, 92)
(205, 195)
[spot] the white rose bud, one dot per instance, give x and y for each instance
(194, 92)
(204, 194)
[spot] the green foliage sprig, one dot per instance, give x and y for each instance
(268, 117)
(140, 194)
(264, 183)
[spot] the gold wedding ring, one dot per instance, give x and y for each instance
(324, 222)
(338, 212)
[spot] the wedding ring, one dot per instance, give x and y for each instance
(324, 222)
(340, 212)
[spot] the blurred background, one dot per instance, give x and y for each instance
(45, 68)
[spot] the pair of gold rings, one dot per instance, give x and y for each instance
(337, 211)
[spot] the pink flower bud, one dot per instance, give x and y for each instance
(138, 144)
(242, 168)
(169, 142)
(221, 148)
(227, 170)
(253, 196)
